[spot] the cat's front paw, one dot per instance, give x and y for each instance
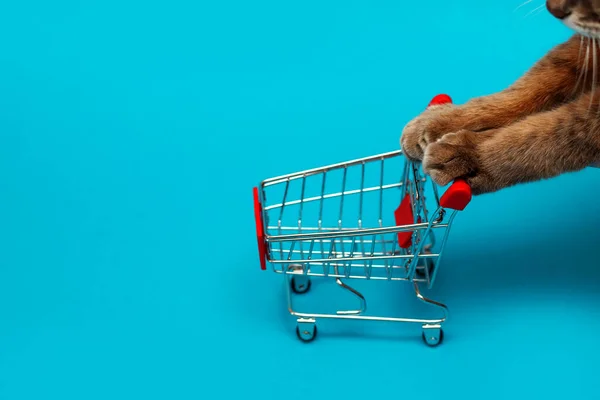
(458, 155)
(425, 129)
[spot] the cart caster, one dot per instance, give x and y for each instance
(306, 330)
(433, 335)
(300, 284)
(421, 271)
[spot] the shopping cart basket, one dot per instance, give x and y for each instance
(362, 219)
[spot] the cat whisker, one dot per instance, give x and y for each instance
(522, 5)
(586, 66)
(593, 74)
(583, 67)
(535, 10)
(580, 74)
(580, 49)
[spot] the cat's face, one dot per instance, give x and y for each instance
(581, 15)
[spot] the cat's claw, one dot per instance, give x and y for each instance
(423, 130)
(457, 156)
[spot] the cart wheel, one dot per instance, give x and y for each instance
(429, 265)
(300, 285)
(306, 332)
(433, 337)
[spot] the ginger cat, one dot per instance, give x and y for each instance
(545, 124)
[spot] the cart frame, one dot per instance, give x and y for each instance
(401, 251)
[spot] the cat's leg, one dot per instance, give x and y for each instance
(541, 146)
(551, 81)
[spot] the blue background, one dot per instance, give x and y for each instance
(131, 135)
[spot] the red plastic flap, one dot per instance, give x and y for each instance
(404, 216)
(260, 234)
(458, 196)
(439, 100)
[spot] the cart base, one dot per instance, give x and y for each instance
(306, 328)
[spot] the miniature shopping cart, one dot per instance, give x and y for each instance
(373, 219)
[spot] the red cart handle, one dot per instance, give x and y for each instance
(457, 197)
(459, 194)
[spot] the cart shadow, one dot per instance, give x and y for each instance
(544, 265)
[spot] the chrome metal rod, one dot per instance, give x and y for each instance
(363, 302)
(381, 193)
(308, 172)
(344, 258)
(334, 195)
(355, 232)
(285, 193)
(361, 195)
(342, 198)
(320, 222)
(434, 303)
(366, 257)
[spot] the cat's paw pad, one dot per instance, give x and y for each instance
(451, 157)
(423, 130)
